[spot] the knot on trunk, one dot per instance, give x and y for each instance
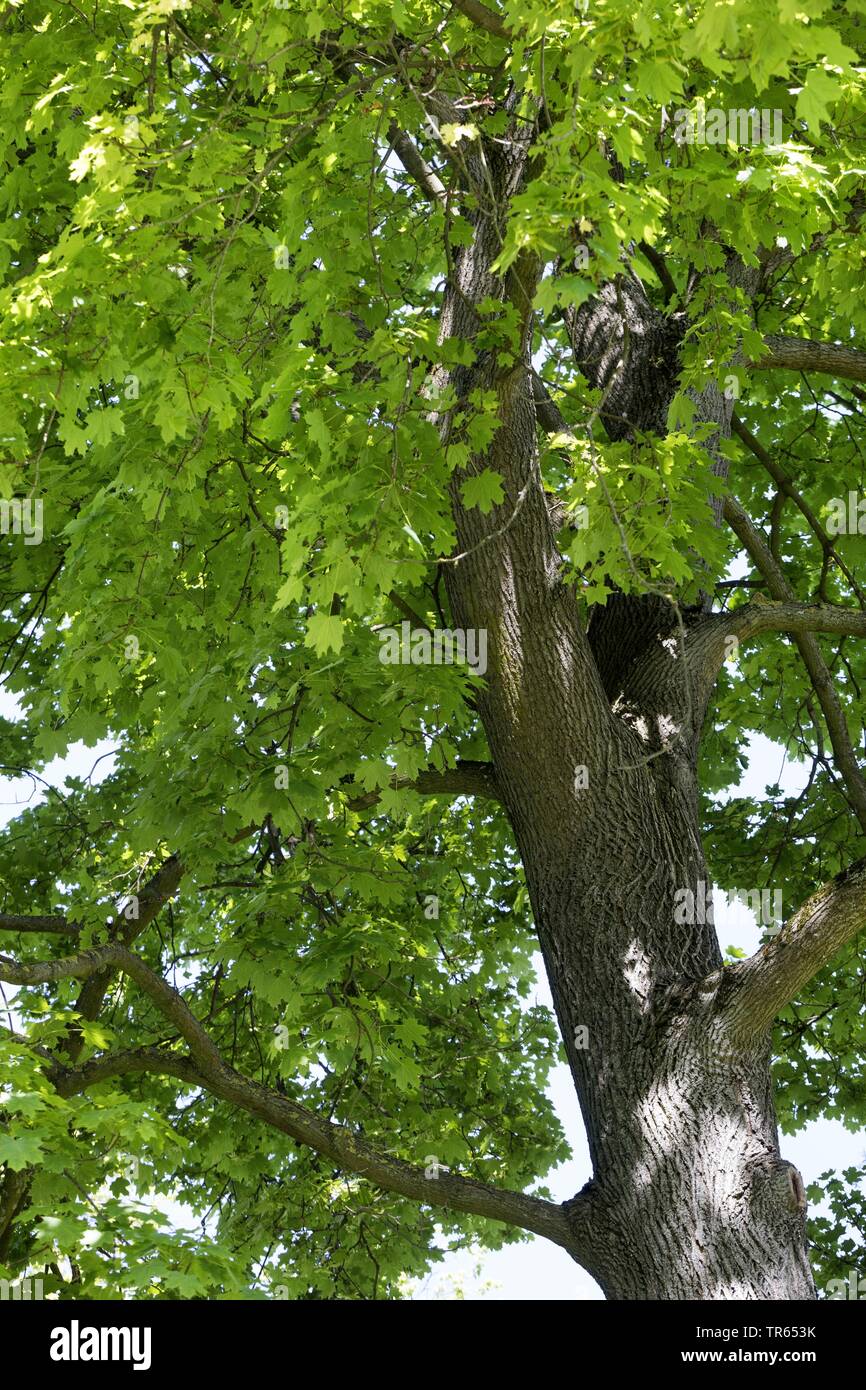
(630, 350)
(778, 1195)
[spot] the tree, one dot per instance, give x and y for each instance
(442, 430)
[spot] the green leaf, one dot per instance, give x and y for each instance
(324, 633)
(483, 490)
(820, 91)
(20, 1150)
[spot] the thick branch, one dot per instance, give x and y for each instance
(819, 674)
(505, 575)
(10, 922)
(627, 348)
(206, 1068)
(809, 355)
(547, 412)
(468, 778)
(794, 617)
(483, 17)
(416, 166)
(707, 642)
(659, 265)
(71, 1081)
(773, 977)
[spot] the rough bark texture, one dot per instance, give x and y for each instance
(690, 1197)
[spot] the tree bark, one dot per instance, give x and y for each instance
(690, 1198)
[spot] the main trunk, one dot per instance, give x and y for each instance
(594, 739)
(690, 1197)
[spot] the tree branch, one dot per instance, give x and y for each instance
(782, 616)
(468, 778)
(783, 482)
(205, 1067)
(151, 899)
(416, 166)
(155, 893)
(819, 674)
(12, 1194)
(771, 979)
(10, 922)
(809, 355)
(483, 17)
(547, 412)
(408, 611)
(659, 265)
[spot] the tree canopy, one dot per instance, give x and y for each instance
(278, 961)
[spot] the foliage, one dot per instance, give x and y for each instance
(219, 298)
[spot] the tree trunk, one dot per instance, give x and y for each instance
(690, 1198)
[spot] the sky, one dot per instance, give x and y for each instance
(535, 1270)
